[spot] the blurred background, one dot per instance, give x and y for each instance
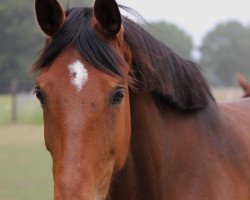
(214, 33)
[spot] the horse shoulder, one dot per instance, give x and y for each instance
(237, 113)
(235, 123)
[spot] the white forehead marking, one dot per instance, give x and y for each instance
(78, 73)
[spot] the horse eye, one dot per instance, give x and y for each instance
(118, 96)
(40, 97)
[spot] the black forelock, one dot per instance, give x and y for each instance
(77, 33)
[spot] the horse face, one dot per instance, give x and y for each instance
(86, 111)
(86, 124)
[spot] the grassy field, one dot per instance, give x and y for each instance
(5, 109)
(28, 109)
(25, 165)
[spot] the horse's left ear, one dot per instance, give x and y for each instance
(50, 16)
(108, 15)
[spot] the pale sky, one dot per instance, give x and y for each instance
(196, 17)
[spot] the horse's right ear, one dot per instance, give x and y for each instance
(243, 82)
(108, 15)
(50, 16)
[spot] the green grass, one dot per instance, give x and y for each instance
(25, 165)
(5, 109)
(28, 110)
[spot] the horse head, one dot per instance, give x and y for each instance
(86, 112)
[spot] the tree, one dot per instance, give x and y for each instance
(21, 40)
(172, 36)
(226, 51)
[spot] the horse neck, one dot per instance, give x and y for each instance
(173, 153)
(145, 170)
(158, 146)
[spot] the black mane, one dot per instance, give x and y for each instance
(156, 68)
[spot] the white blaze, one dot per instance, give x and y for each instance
(78, 73)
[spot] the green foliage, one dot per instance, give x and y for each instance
(172, 36)
(226, 51)
(21, 41)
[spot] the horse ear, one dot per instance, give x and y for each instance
(50, 16)
(108, 15)
(243, 82)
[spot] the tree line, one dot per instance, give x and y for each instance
(225, 50)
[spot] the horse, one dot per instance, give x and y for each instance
(125, 117)
(244, 84)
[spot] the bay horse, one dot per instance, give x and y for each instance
(125, 118)
(244, 84)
